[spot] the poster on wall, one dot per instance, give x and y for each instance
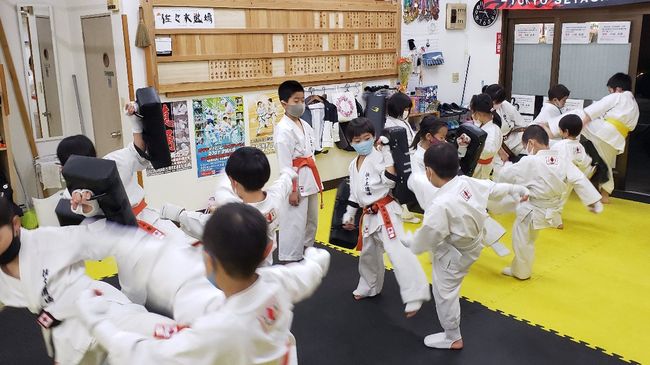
(264, 112)
(614, 32)
(525, 104)
(177, 128)
(218, 130)
(576, 33)
(528, 33)
(553, 4)
(549, 33)
(185, 18)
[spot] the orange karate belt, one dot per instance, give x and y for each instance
(486, 161)
(144, 225)
(309, 162)
(377, 207)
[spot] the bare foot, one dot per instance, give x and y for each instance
(605, 198)
(359, 297)
(561, 226)
(457, 345)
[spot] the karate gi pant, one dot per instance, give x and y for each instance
(410, 277)
(608, 154)
(298, 228)
(483, 171)
(524, 235)
(450, 267)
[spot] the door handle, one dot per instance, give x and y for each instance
(116, 134)
(47, 114)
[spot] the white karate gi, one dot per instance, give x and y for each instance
(52, 275)
(297, 224)
(454, 228)
(394, 122)
(548, 176)
(251, 327)
(490, 151)
(612, 117)
(511, 119)
(549, 111)
(368, 184)
(277, 194)
(572, 150)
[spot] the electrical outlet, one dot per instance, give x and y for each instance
(455, 77)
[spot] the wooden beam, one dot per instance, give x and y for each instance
(204, 88)
(239, 56)
(3, 92)
(146, 12)
(127, 53)
(271, 31)
(308, 5)
(22, 108)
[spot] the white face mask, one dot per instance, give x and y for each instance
(530, 149)
(405, 115)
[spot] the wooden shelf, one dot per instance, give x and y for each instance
(272, 30)
(308, 5)
(415, 115)
(167, 59)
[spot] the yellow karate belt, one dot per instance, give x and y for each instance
(620, 127)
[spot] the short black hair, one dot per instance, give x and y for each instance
(78, 145)
(397, 103)
(496, 92)
(572, 124)
(250, 167)
(442, 158)
(7, 212)
(536, 133)
(558, 92)
(430, 125)
(236, 235)
(624, 81)
(288, 88)
(481, 103)
(359, 126)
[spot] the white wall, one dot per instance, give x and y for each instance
(457, 46)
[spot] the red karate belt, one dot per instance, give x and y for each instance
(144, 225)
(377, 207)
(486, 161)
(309, 162)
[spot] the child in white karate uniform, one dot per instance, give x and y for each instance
(247, 171)
(548, 176)
(398, 109)
(481, 108)
(43, 270)
(570, 146)
(372, 176)
(557, 97)
(251, 327)
(512, 125)
(454, 228)
(607, 123)
(293, 139)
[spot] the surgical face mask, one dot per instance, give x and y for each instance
(11, 252)
(364, 148)
(530, 149)
(295, 110)
(405, 115)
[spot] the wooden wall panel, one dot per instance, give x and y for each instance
(261, 42)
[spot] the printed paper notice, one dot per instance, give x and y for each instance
(614, 33)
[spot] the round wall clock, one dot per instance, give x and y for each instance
(484, 17)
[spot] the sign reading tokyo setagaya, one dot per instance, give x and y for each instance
(554, 4)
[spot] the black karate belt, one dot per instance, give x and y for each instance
(46, 320)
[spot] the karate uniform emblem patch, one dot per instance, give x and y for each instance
(466, 195)
(269, 316)
(551, 160)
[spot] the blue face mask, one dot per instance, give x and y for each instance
(364, 148)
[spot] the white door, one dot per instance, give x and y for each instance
(104, 97)
(52, 111)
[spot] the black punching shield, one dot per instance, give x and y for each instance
(376, 111)
(154, 132)
(339, 236)
(399, 148)
(475, 148)
(65, 214)
(102, 178)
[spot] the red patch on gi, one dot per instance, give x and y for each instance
(165, 331)
(551, 160)
(269, 315)
(465, 194)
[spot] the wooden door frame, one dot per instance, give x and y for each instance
(633, 13)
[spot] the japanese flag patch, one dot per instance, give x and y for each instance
(271, 216)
